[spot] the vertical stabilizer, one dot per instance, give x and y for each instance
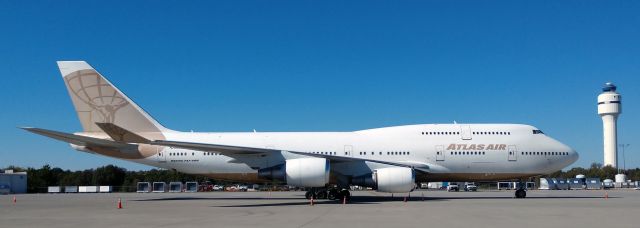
(96, 100)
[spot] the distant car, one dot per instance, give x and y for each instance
(218, 188)
(241, 188)
(637, 188)
(470, 187)
(607, 184)
(453, 187)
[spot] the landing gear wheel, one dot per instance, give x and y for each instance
(310, 194)
(333, 194)
(322, 194)
(521, 193)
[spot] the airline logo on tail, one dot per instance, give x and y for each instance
(88, 87)
(97, 100)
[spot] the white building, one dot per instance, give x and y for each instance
(13, 182)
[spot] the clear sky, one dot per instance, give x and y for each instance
(322, 66)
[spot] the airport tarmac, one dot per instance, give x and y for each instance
(289, 209)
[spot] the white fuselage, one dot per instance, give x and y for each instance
(452, 152)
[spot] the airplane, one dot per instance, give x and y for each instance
(388, 159)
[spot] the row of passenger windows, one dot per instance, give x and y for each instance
(475, 133)
(545, 153)
(491, 133)
(180, 154)
(441, 133)
(388, 153)
(467, 152)
(192, 154)
(325, 153)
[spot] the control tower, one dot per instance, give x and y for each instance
(609, 107)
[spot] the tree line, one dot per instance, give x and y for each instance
(596, 170)
(38, 179)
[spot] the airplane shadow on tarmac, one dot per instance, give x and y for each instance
(293, 201)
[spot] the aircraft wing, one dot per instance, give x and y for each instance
(240, 150)
(75, 139)
(223, 149)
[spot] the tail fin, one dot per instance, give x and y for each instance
(97, 101)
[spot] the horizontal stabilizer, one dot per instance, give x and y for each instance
(120, 134)
(75, 139)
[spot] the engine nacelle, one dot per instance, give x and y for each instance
(307, 172)
(394, 180)
(300, 172)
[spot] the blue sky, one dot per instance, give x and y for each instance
(322, 66)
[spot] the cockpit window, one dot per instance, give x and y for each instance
(535, 132)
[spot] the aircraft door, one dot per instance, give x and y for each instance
(348, 150)
(162, 155)
(465, 132)
(513, 153)
(439, 153)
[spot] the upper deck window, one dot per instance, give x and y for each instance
(537, 132)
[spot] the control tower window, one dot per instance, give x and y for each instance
(535, 132)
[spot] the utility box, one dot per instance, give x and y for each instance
(53, 189)
(593, 183)
(575, 183)
(191, 187)
(175, 187)
(105, 189)
(562, 184)
(70, 189)
(143, 187)
(159, 187)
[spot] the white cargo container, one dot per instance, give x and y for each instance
(70, 189)
(92, 189)
(175, 187)
(159, 187)
(144, 187)
(104, 189)
(88, 189)
(191, 187)
(53, 189)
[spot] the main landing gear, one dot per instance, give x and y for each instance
(521, 193)
(328, 193)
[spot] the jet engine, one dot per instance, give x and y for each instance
(394, 180)
(301, 172)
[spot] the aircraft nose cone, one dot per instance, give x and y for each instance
(574, 155)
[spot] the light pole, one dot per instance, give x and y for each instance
(624, 162)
